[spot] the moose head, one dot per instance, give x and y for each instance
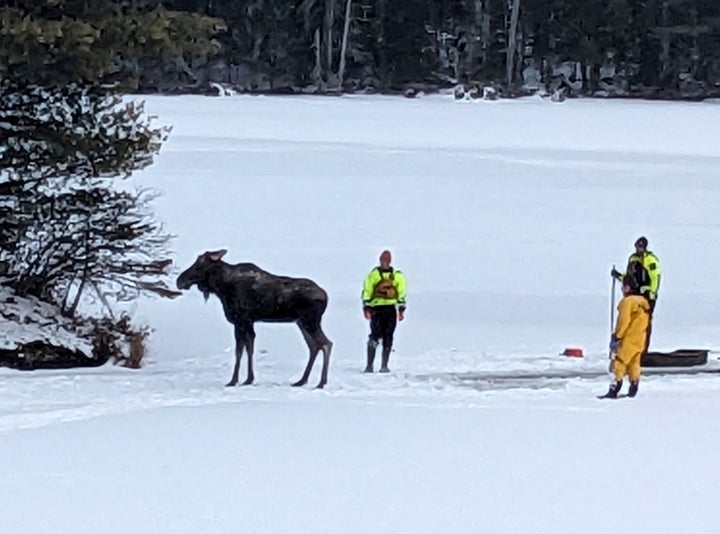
(199, 272)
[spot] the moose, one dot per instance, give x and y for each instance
(249, 294)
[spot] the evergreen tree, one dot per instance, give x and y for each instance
(70, 231)
(71, 226)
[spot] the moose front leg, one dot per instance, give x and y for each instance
(239, 346)
(244, 340)
(249, 346)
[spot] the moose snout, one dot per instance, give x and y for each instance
(182, 282)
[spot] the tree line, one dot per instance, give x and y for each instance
(649, 48)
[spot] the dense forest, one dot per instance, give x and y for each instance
(647, 48)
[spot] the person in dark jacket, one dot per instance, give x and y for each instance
(644, 267)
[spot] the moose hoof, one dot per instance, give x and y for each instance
(299, 383)
(248, 382)
(320, 385)
(231, 384)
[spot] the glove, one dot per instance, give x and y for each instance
(615, 273)
(368, 313)
(614, 343)
(401, 314)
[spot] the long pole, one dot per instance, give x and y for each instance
(612, 317)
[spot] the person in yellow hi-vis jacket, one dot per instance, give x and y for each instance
(644, 266)
(628, 339)
(384, 300)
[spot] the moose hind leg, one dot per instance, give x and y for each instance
(314, 349)
(326, 347)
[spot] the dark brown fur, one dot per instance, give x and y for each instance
(249, 294)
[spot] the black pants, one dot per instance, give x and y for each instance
(382, 325)
(649, 328)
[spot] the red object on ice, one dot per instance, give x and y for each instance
(573, 352)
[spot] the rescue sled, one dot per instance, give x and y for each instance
(676, 358)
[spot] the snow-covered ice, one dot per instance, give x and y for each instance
(506, 218)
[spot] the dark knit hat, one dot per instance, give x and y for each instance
(631, 283)
(641, 242)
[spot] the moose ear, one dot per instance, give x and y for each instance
(217, 255)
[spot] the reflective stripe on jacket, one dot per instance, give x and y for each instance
(650, 265)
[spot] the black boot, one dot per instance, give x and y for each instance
(633, 388)
(385, 359)
(370, 356)
(613, 391)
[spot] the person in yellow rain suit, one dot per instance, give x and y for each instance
(629, 338)
(384, 300)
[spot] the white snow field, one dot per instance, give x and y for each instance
(506, 218)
